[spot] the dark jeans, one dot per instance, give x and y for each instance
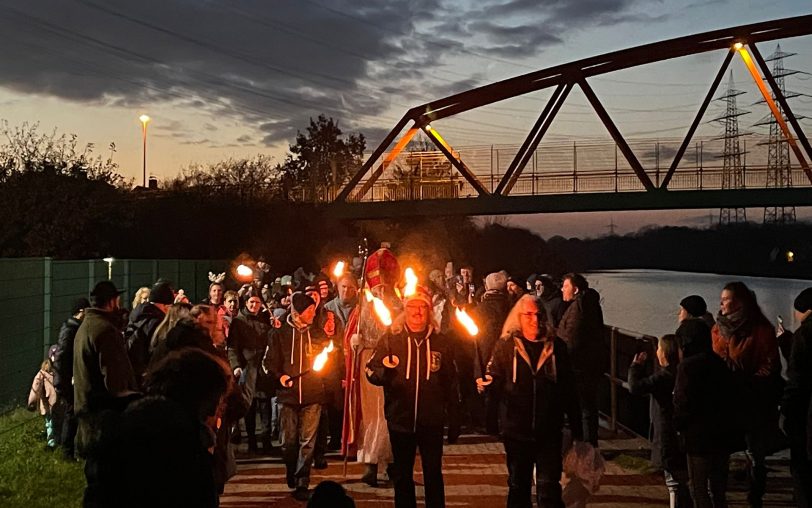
(801, 468)
(708, 479)
(678, 492)
(69, 426)
(299, 426)
(587, 386)
(546, 456)
(404, 447)
(323, 433)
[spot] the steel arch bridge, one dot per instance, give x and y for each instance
(355, 201)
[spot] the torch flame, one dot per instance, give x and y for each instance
(338, 271)
(244, 271)
(411, 282)
(466, 322)
(321, 358)
(380, 308)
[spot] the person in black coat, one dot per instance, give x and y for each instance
(249, 336)
(531, 371)
(63, 373)
(291, 361)
(551, 299)
(490, 315)
(660, 385)
(157, 454)
(415, 366)
(581, 328)
(706, 414)
(797, 401)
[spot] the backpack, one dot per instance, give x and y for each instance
(138, 338)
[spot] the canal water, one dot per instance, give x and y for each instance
(647, 301)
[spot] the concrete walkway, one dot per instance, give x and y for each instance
(475, 476)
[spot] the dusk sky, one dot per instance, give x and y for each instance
(237, 78)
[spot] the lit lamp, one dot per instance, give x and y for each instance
(109, 262)
(144, 121)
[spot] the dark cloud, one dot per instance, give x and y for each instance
(272, 65)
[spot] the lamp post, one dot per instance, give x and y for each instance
(109, 261)
(144, 121)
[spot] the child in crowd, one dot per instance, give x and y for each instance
(43, 395)
(660, 385)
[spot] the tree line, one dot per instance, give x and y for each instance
(61, 200)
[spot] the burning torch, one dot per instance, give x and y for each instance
(318, 364)
(473, 330)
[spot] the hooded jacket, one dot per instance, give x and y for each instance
(534, 396)
(423, 383)
(292, 352)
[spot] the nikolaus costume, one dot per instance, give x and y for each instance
(364, 427)
(417, 390)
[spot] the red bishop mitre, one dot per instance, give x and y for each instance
(382, 269)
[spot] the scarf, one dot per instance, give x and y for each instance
(734, 324)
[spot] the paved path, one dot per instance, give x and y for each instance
(475, 476)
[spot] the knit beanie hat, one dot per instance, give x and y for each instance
(695, 305)
(422, 294)
(162, 292)
(299, 302)
(803, 302)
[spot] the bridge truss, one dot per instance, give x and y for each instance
(354, 199)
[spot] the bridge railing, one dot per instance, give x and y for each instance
(579, 167)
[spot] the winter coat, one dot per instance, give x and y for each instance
(102, 375)
(422, 385)
(707, 408)
(248, 332)
(42, 394)
(534, 396)
(660, 386)
(139, 333)
(63, 360)
(754, 359)
(292, 352)
(581, 328)
(553, 304)
(157, 455)
(797, 401)
(490, 315)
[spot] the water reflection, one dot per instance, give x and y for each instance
(647, 300)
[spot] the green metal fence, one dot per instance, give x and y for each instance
(36, 296)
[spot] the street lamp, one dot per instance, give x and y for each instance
(144, 121)
(109, 262)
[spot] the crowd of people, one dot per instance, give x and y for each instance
(365, 362)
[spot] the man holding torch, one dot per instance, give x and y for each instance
(290, 360)
(414, 364)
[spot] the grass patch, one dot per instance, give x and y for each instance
(632, 463)
(31, 476)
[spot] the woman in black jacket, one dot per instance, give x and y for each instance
(660, 385)
(706, 403)
(530, 370)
